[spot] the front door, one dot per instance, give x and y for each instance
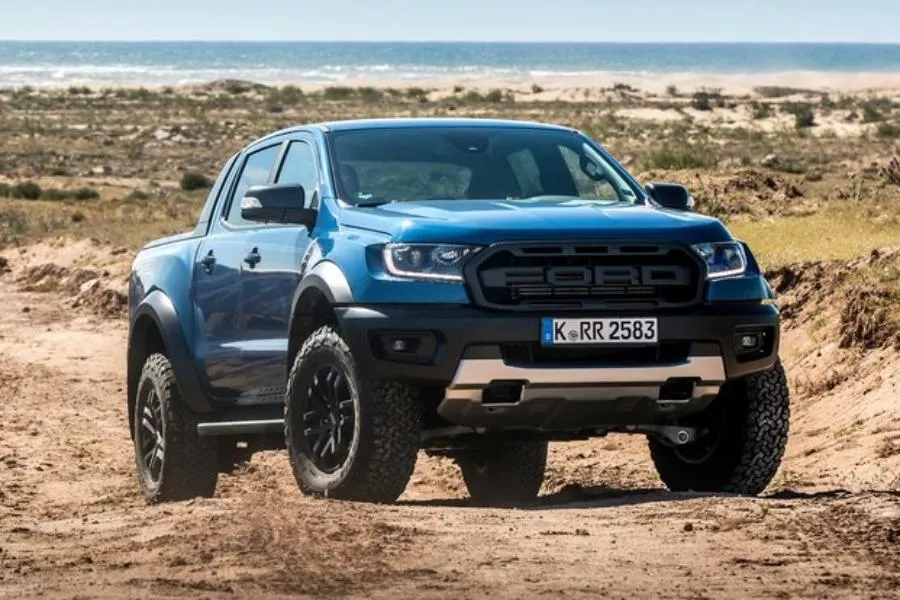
(270, 275)
(218, 292)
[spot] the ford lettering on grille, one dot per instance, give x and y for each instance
(581, 275)
(645, 275)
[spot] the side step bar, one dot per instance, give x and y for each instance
(215, 428)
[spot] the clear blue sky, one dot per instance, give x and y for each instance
(501, 20)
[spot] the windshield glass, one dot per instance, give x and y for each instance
(453, 163)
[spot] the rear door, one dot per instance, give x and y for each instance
(271, 276)
(217, 292)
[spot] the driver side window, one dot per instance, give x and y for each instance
(255, 172)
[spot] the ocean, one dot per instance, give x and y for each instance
(178, 63)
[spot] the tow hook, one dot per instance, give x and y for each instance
(674, 434)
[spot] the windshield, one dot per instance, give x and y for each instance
(375, 166)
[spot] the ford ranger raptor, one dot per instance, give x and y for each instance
(361, 291)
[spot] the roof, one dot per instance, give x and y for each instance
(411, 123)
(431, 122)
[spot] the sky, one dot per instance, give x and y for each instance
(455, 20)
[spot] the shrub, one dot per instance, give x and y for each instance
(137, 196)
(195, 181)
(888, 130)
(495, 96)
(804, 115)
(536, 89)
(871, 113)
(370, 94)
(85, 193)
(672, 90)
(701, 101)
(761, 110)
(337, 92)
(27, 190)
(776, 91)
(682, 155)
(417, 93)
(291, 94)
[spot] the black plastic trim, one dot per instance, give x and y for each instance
(477, 333)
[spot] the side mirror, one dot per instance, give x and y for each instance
(280, 203)
(671, 195)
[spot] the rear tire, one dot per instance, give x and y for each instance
(748, 424)
(348, 437)
(504, 472)
(173, 461)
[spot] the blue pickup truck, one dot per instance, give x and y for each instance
(361, 291)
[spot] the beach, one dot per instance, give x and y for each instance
(802, 164)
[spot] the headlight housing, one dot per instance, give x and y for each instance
(431, 262)
(723, 259)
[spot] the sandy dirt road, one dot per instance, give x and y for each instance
(72, 524)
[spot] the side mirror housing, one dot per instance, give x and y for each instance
(279, 203)
(671, 195)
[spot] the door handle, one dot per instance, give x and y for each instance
(253, 258)
(208, 262)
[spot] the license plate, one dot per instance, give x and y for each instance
(555, 332)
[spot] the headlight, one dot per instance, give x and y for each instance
(723, 259)
(435, 262)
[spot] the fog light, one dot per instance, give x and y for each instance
(749, 341)
(399, 345)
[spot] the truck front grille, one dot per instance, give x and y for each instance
(585, 275)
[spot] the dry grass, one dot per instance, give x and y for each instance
(834, 232)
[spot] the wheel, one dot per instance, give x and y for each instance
(173, 461)
(348, 437)
(504, 472)
(746, 434)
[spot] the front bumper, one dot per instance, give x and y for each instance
(461, 350)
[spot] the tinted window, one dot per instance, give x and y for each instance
(502, 163)
(300, 167)
(588, 176)
(256, 172)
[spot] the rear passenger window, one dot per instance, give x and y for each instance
(256, 172)
(300, 167)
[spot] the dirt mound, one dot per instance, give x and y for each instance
(51, 277)
(101, 300)
(865, 293)
(868, 319)
(745, 193)
(85, 288)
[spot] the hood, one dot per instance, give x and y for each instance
(485, 222)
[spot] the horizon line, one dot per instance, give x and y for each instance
(473, 41)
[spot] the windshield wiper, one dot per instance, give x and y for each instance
(373, 203)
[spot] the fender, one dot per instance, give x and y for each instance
(158, 307)
(328, 278)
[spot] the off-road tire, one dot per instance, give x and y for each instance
(504, 472)
(189, 466)
(755, 423)
(386, 434)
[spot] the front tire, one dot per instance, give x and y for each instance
(504, 472)
(747, 433)
(348, 437)
(173, 461)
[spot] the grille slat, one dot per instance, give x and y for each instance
(585, 275)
